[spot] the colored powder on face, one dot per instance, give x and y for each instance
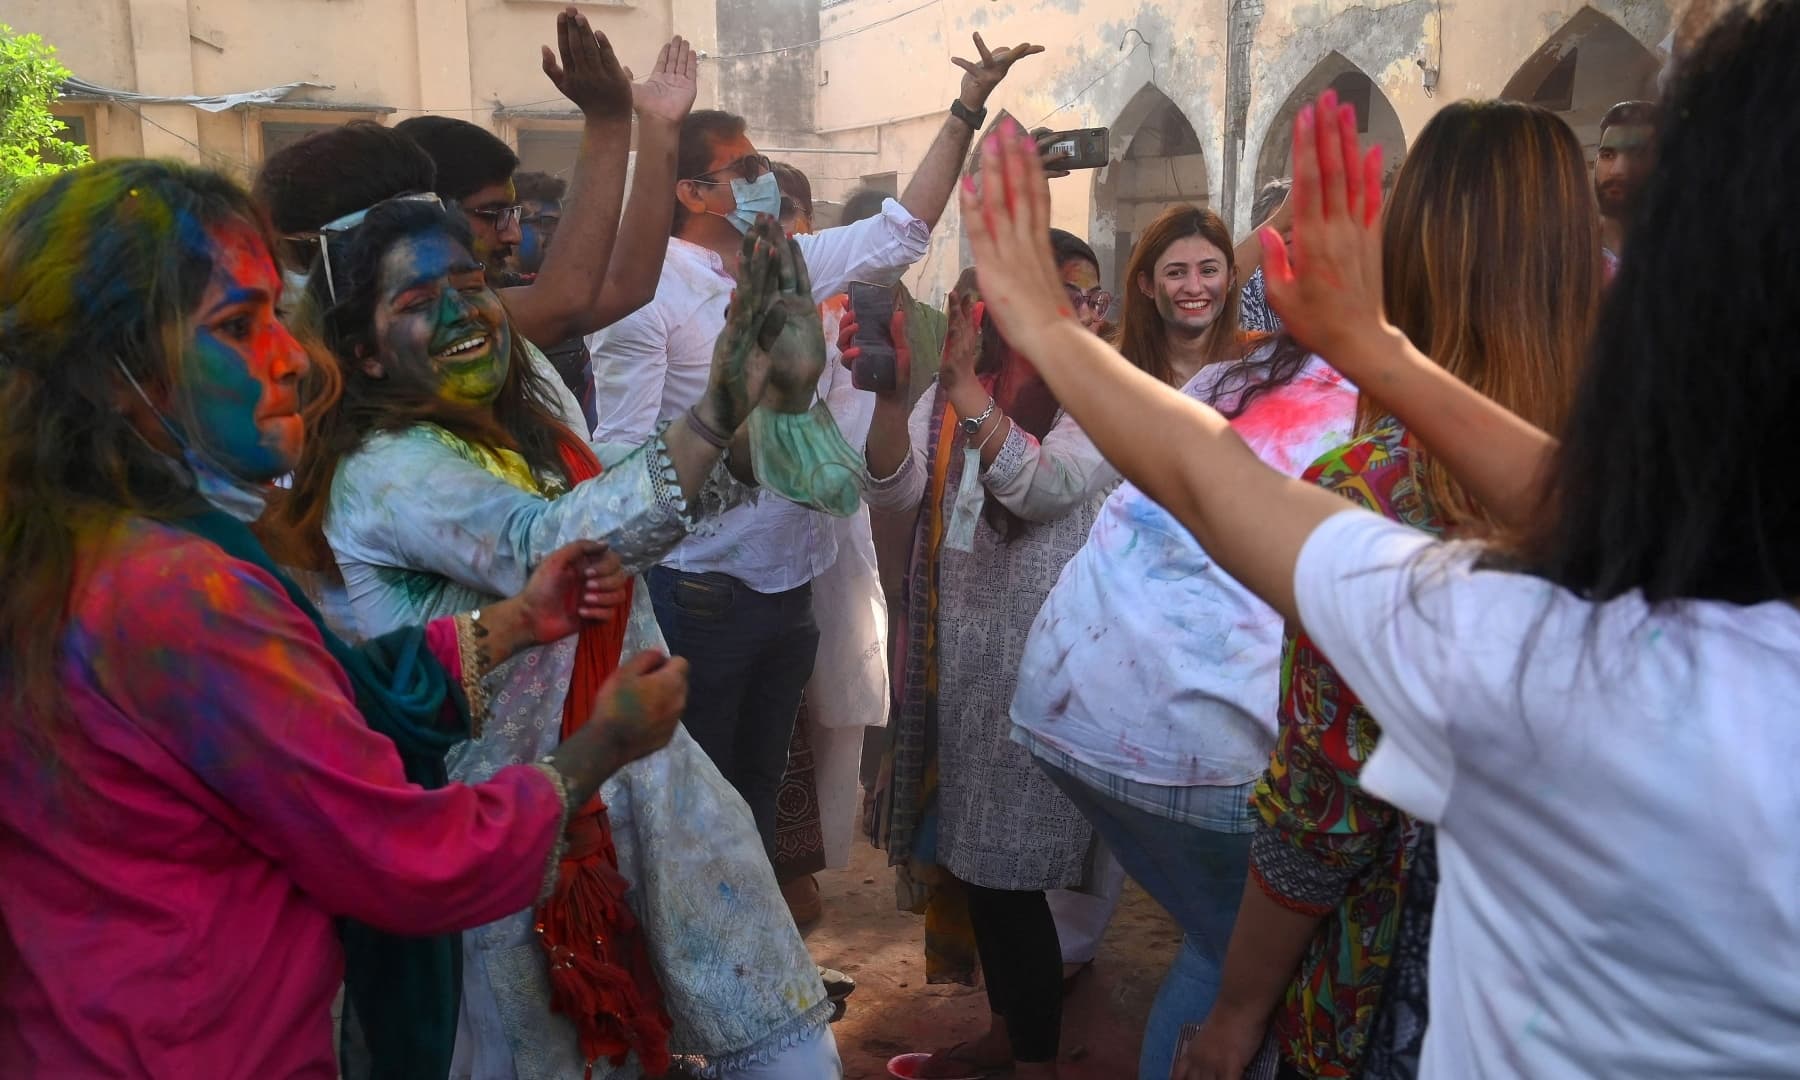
(240, 367)
(428, 306)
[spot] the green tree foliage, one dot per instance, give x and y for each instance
(29, 144)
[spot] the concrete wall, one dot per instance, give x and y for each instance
(1237, 70)
(386, 59)
(853, 89)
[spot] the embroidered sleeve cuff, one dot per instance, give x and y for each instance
(472, 685)
(1014, 453)
(561, 847)
(1294, 877)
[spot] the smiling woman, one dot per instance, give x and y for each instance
(439, 479)
(160, 677)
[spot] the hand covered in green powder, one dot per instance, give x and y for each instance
(740, 363)
(796, 343)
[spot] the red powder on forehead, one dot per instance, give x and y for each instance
(240, 257)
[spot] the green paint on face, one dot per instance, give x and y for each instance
(241, 366)
(437, 319)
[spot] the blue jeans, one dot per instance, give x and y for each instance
(749, 656)
(1198, 875)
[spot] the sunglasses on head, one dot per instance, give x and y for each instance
(341, 227)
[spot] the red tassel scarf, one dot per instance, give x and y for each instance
(600, 973)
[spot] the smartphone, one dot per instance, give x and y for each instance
(1083, 148)
(875, 365)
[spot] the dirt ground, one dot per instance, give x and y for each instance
(893, 1010)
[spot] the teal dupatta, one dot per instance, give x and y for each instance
(401, 993)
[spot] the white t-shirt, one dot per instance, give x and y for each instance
(1617, 811)
(1147, 660)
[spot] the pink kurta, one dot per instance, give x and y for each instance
(166, 899)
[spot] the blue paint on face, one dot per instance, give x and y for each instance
(241, 367)
(437, 319)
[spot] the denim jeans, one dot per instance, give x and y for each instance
(1198, 875)
(749, 656)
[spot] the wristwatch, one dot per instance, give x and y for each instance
(966, 115)
(971, 424)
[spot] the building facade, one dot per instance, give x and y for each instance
(1198, 95)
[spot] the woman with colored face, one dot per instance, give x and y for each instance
(190, 761)
(440, 479)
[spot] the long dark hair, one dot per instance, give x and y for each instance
(103, 262)
(1675, 472)
(1488, 176)
(521, 419)
(1142, 339)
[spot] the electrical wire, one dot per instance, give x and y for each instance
(243, 166)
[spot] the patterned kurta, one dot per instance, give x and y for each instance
(1327, 847)
(423, 523)
(1001, 823)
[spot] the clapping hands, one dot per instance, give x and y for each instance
(772, 350)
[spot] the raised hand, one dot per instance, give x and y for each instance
(577, 583)
(980, 78)
(588, 74)
(797, 345)
(668, 92)
(1008, 221)
(740, 364)
(962, 342)
(1326, 284)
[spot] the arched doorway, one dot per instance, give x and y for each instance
(1584, 69)
(1376, 119)
(1157, 159)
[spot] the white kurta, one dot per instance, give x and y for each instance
(421, 528)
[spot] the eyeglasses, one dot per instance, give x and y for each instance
(544, 221)
(1098, 299)
(500, 217)
(348, 223)
(748, 169)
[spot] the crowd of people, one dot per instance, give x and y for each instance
(446, 605)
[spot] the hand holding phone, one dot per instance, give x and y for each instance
(874, 365)
(1081, 148)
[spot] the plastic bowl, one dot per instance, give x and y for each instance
(907, 1066)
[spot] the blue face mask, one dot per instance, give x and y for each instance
(759, 196)
(243, 499)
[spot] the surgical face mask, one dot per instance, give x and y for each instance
(759, 196)
(240, 498)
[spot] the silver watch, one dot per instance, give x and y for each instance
(972, 424)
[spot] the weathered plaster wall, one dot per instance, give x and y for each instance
(896, 78)
(875, 86)
(458, 57)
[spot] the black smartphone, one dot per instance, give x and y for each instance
(1082, 148)
(875, 365)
